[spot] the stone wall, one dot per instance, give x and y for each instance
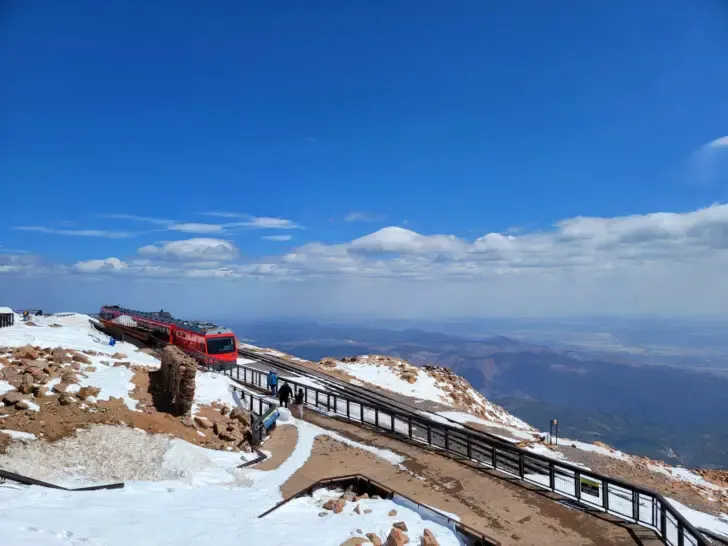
(174, 384)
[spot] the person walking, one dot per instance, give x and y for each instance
(285, 394)
(297, 409)
(273, 382)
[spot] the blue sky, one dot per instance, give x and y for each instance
(352, 157)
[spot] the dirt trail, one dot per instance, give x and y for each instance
(280, 445)
(507, 512)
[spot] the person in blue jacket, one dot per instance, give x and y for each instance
(273, 382)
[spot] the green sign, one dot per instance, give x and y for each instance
(590, 487)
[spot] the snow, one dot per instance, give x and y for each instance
(702, 520)
(385, 377)
(5, 387)
(114, 381)
(213, 387)
(18, 435)
(242, 361)
(465, 418)
(6, 311)
(685, 475)
(76, 332)
(198, 496)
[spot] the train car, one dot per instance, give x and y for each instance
(209, 343)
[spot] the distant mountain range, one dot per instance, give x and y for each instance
(659, 411)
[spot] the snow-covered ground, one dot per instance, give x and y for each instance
(182, 494)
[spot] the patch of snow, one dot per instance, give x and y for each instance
(685, 475)
(584, 446)
(213, 387)
(114, 381)
(244, 361)
(716, 524)
(32, 405)
(18, 435)
(5, 387)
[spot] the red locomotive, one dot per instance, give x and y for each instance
(203, 340)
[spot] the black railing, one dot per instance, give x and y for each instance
(590, 489)
(362, 484)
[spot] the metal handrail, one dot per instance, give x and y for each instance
(646, 507)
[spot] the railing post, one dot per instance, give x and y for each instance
(409, 427)
(376, 417)
(361, 411)
(317, 396)
(521, 466)
(663, 520)
(429, 434)
(469, 447)
(348, 409)
(447, 441)
(493, 457)
(328, 401)
(577, 485)
(635, 505)
(681, 534)
(605, 495)
(392, 416)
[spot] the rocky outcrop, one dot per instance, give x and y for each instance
(428, 539)
(173, 384)
(397, 537)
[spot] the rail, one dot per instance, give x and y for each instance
(589, 489)
(6, 475)
(363, 484)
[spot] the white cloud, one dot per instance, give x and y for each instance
(197, 228)
(359, 216)
(78, 232)
(721, 142)
(193, 250)
(277, 237)
(266, 222)
(659, 262)
(96, 266)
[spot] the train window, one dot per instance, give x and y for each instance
(220, 345)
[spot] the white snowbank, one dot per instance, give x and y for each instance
(5, 387)
(465, 418)
(702, 520)
(685, 475)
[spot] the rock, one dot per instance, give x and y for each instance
(400, 525)
(85, 392)
(392, 513)
(355, 541)
(241, 415)
(35, 371)
(323, 514)
(69, 376)
(428, 539)
(219, 428)
(204, 423)
(90, 369)
(357, 509)
(55, 325)
(26, 387)
(362, 497)
(40, 391)
(60, 387)
(374, 538)
(410, 377)
(65, 399)
(397, 537)
(602, 445)
(76, 366)
(119, 364)
(11, 398)
(22, 405)
(349, 496)
(118, 356)
(337, 505)
(328, 362)
(26, 352)
(60, 356)
(224, 410)
(187, 421)
(367, 510)
(80, 357)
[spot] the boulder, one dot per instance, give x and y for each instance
(85, 392)
(26, 352)
(40, 391)
(202, 422)
(400, 525)
(35, 370)
(26, 386)
(118, 356)
(90, 369)
(357, 509)
(60, 387)
(355, 541)
(69, 376)
(428, 539)
(367, 510)
(361, 497)
(65, 399)
(80, 357)
(22, 405)
(335, 505)
(219, 428)
(60, 356)
(392, 513)
(397, 537)
(11, 398)
(374, 538)
(239, 414)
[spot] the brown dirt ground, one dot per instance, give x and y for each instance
(281, 444)
(507, 512)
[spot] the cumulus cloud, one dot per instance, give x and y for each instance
(97, 266)
(721, 142)
(648, 262)
(277, 237)
(193, 250)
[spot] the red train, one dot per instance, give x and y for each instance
(203, 340)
